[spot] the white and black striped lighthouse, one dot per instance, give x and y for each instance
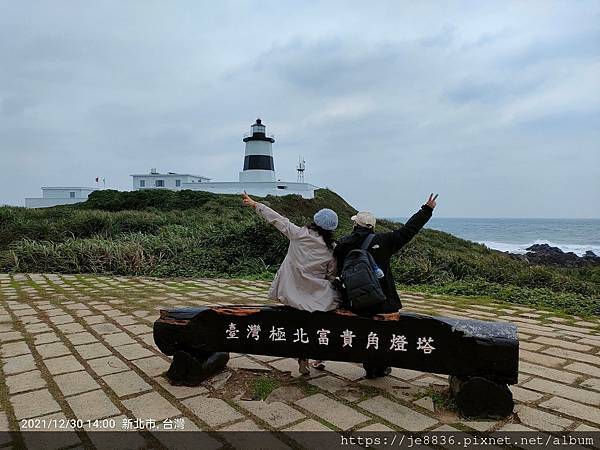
(258, 160)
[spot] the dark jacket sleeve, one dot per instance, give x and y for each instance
(397, 239)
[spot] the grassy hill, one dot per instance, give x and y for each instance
(199, 234)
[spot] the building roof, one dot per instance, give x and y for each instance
(71, 188)
(169, 174)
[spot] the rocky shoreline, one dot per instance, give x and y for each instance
(545, 254)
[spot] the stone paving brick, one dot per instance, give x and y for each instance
(308, 425)
(153, 366)
(571, 354)
(117, 339)
(545, 372)
(349, 371)
(375, 428)
(246, 364)
(94, 320)
(18, 364)
(36, 328)
(63, 364)
(75, 383)
(530, 346)
(91, 351)
(592, 383)
(425, 402)
(276, 414)
(562, 343)
(125, 320)
(586, 428)
(70, 328)
(479, 425)
(14, 349)
(126, 383)
(584, 368)
(332, 411)
(212, 411)
(562, 390)
(288, 365)
(537, 358)
(45, 338)
(34, 404)
(52, 350)
(524, 395)
(398, 414)
(541, 420)
(107, 365)
(405, 374)
(25, 381)
(64, 318)
(574, 409)
(151, 406)
(81, 338)
(148, 339)
(133, 351)
(92, 405)
(10, 336)
(331, 384)
(105, 328)
(181, 392)
(139, 329)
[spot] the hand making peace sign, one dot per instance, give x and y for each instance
(431, 202)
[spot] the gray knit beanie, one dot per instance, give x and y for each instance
(326, 218)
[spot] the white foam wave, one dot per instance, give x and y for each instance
(578, 249)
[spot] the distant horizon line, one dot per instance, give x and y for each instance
(500, 218)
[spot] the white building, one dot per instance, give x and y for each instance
(52, 196)
(256, 178)
(170, 180)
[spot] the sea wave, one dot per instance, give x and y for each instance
(520, 249)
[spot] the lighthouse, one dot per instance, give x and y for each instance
(257, 178)
(258, 159)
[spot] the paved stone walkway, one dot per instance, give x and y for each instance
(81, 347)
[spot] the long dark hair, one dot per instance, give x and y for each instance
(327, 235)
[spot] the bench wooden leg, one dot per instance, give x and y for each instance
(192, 368)
(481, 397)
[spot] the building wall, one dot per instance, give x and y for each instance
(169, 181)
(249, 176)
(259, 189)
(66, 192)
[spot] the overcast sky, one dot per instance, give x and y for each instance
(495, 105)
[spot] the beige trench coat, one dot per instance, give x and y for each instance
(304, 279)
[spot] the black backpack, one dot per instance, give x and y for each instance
(360, 283)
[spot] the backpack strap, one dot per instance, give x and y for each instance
(367, 242)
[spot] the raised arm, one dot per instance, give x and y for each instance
(283, 224)
(399, 238)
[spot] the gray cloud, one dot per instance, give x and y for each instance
(494, 105)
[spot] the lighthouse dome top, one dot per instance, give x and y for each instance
(258, 132)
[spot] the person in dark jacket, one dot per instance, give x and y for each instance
(383, 247)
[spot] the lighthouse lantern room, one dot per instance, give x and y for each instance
(258, 159)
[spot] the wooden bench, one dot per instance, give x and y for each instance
(480, 357)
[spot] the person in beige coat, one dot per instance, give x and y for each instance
(304, 279)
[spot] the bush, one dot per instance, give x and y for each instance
(199, 234)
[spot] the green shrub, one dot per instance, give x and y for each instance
(199, 234)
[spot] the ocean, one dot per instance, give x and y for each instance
(515, 235)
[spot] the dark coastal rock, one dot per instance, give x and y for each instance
(554, 256)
